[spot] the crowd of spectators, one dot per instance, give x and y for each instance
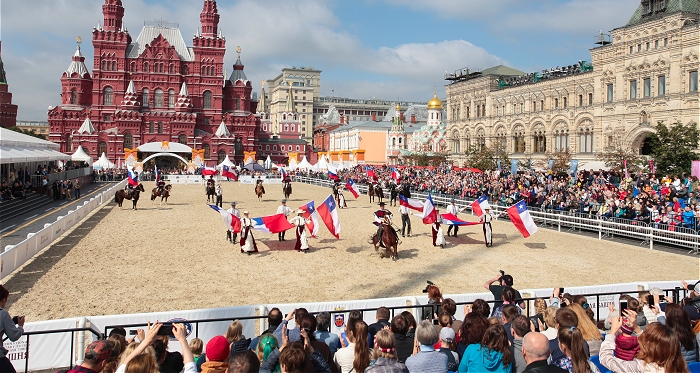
(666, 202)
(562, 336)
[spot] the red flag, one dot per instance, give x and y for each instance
(226, 172)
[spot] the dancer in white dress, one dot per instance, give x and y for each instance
(247, 239)
(302, 244)
(438, 234)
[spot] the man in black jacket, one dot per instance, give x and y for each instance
(383, 315)
(536, 352)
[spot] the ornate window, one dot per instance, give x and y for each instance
(480, 139)
(501, 139)
(145, 67)
(585, 139)
(221, 156)
(238, 104)
(144, 102)
(561, 138)
(206, 151)
(455, 142)
(150, 127)
(207, 99)
(171, 98)
(108, 96)
(158, 98)
(519, 139)
(182, 139)
(102, 148)
(160, 127)
(128, 141)
(539, 139)
(73, 97)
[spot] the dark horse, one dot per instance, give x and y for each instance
(163, 195)
(389, 239)
(211, 192)
(121, 194)
(379, 192)
(287, 190)
(393, 194)
(370, 192)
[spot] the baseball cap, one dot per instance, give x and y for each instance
(100, 350)
(447, 334)
(508, 279)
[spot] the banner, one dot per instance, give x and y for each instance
(498, 163)
(42, 347)
(551, 164)
(573, 167)
(652, 168)
(696, 169)
(514, 166)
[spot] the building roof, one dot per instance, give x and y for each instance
(87, 127)
(238, 73)
(383, 125)
(77, 65)
(280, 140)
(222, 131)
(502, 70)
(673, 6)
(171, 34)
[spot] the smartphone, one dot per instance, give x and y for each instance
(133, 332)
(561, 291)
(623, 305)
(650, 300)
(166, 329)
(344, 337)
(436, 321)
(15, 320)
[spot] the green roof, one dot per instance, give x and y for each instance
(502, 70)
(673, 6)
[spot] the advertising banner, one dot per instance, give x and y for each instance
(43, 353)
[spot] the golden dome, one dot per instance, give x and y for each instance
(398, 107)
(435, 103)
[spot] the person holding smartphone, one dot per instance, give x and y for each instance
(12, 327)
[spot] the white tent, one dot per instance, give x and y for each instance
(304, 165)
(322, 163)
(80, 156)
(17, 147)
(103, 162)
(268, 163)
(293, 165)
(226, 162)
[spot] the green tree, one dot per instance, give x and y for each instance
(674, 146)
(27, 132)
(486, 158)
(617, 153)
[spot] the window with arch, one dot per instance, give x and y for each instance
(480, 139)
(297, 147)
(145, 67)
(171, 98)
(274, 147)
(519, 139)
(114, 65)
(556, 103)
(286, 127)
(455, 142)
(182, 139)
(104, 65)
(585, 139)
(144, 101)
(158, 98)
(238, 104)
(102, 148)
(128, 141)
(133, 67)
(160, 127)
(207, 99)
(561, 139)
(150, 127)
(501, 138)
(292, 127)
(206, 151)
(108, 96)
(73, 97)
(539, 140)
(171, 69)
(221, 156)
(393, 142)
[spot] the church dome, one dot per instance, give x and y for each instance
(435, 103)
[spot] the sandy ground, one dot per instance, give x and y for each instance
(175, 256)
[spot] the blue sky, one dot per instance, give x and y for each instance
(366, 48)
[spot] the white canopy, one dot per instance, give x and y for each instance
(292, 165)
(322, 164)
(226, 162)
(17, 147)
(593, 166)
(304, 164)
(80, 155)
(103, 162)
(164, 147)
(268, 163)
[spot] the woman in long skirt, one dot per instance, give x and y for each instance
(302, 244)
(486, 218)
(438, 234)
(247, 239)
(341, 199)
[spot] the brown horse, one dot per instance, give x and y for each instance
(370, 193)
(389, 239)
(393, 194)
(211, 192)
(163, 195)
(121, 195)
(259, 191)
(287, 190)
(379, 192)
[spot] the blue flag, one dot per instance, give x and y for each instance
(514, 166)
(574, 167)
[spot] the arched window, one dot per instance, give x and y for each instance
(171, 98)
(114, 65)
(150, 127)
(102, 148)
(561, 140)
(297, 147)
(104, 65)
(133, 67)
(393, 141)
(221, 156)
(171, 69)
(286, 128)
(108, 96)
(73, 97)
(519, 140)
(207, 99)
(182, 139)
(160, 127)
(128, 141)
(145, 67)
(585, 140)
(238, 104)
(158, 98)
(144, 101)
(69, 143)
(206, 151)
(291, 127)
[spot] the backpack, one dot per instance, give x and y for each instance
(69, 185)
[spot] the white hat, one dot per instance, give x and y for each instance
(245, 212)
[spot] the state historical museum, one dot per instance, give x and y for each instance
(156, 89)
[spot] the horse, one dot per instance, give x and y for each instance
(287, 190)
(121, 194)
(393, 193)
(370, 193)
(379, 192)
(390, 241)
(259, 191)
(163, 195)
(211, 193)
(405, 190)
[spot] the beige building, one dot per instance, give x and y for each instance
(643, 72)
(306, 85)
(356, 110)
(39, 127)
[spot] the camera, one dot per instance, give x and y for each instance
(15, 320)
(503, 273)
(430, 283)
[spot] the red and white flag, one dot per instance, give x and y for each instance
(310, 214)
(429, 214)
(352, 187)
(411, 203)
(226, 172)
(328, 211)
(272, 223)
(481, 204)
(521, 218)
(209, 171)
(370, 172)
(232, 222)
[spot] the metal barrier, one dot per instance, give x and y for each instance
(72, 331)
(63, 175)
(573, 221)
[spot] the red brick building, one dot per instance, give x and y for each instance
(156, 89)
(8, 112)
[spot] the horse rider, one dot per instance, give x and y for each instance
(454, 210)
(382, 217)
(247, 240)
(283, 209)
(260, 182)
(236, 214)
(302, 244)
(210, 182)
(336, 187)
(161, 186)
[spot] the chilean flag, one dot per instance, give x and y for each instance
(453, 220)
(332, 173)
(328, 210)
(370, 172)
(283, 173)
(272, 224)
(411, 203)
(310, 214)
(479, 205)
(352, 187)
(157, 174)
(226, 172)
(232, 222)
(395, 174)
(133, 178)
(429, 214)
(521, 218)
(208, 171)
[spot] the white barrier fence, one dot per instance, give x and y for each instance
(52, 351)
(646, 234)
(15, 256)
(197, 179)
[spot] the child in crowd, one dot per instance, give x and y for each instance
(626, 344)
(196, 346)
